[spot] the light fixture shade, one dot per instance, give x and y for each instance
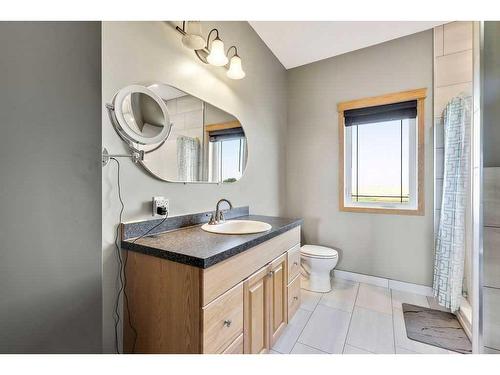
(235, 70)
(193, 38)
(217, 56)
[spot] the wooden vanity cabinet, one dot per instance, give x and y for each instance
(240, 305)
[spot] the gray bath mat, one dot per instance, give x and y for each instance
(434, 327)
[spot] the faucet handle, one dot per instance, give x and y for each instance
(213, 219)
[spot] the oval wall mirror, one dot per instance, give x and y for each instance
(205, 144)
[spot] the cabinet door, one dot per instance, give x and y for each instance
(278, 297)
(236, 347)
(256, 312)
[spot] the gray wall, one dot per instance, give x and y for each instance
(141, 52)
(392, 246)
(50, 257)
(491, 94)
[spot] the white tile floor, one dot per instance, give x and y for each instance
(354, 318)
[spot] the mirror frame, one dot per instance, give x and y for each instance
(125, 130)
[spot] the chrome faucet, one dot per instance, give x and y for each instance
(218, 216)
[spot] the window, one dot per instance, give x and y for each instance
(228, 158)
(381, 154)
(227, 151)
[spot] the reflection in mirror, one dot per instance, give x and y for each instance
(206, 144)
(143, 114)
(225, 146)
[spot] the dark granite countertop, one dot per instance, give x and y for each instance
(195, 247)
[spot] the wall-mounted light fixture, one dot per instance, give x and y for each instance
(211, 51)
(193, 37)
(235, 70)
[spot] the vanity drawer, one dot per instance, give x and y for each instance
(293, 297)
(223, 320)
(293, 262)
(236, 347)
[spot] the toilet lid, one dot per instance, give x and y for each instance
(318, 251)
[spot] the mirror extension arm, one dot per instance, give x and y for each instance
(136, 156)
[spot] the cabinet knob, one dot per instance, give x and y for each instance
(295, 298)
(295, 264)
(227, 322)
(270, 274)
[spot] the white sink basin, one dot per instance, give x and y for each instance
(237, 227)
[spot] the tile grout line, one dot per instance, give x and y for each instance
(454, 52)
(442, 41)
(489, 347)
(353, 346)
(453, 84)
(350, 318)
(408, 350)
(393, 325)
(309, 346)
(374, 311)
(315, 307)
(302, 330)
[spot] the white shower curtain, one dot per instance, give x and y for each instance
(188, 158)
(450, 240)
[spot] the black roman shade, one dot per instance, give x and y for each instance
(381, 113)
(225, 134)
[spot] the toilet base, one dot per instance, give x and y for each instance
(316, 283)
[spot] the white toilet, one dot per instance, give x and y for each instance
(316, 265)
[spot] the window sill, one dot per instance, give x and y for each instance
(380, 210)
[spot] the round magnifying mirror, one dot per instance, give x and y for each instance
(141, 115)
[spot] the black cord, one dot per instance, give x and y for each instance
(149, 230)
(122, 264)
(116, 315)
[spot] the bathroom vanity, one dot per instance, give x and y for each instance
(191, 291)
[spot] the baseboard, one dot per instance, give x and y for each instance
(361, 278)
(464, 315)
(465, 324)
(384, 282)
(411, 288)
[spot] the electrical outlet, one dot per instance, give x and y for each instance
(159, 202)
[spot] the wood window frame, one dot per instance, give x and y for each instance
(419, 95)
(206, 138)
(222, 126)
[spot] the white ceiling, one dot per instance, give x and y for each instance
(297, 43)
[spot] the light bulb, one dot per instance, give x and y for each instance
(217, 56)
(193, 38)
(235, 71)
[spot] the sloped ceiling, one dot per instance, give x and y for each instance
(297, 43)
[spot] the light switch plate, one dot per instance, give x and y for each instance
(159, 202)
